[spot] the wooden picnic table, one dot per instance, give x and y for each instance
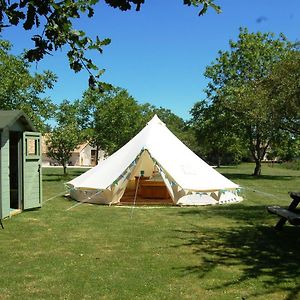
(287, 214)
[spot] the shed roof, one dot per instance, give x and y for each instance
(9, 117)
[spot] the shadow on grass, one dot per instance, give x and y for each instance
(257, 252)
(238, 212)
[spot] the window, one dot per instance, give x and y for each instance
(32, 146)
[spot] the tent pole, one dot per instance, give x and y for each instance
(135, 195)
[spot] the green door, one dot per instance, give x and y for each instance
(32, 173)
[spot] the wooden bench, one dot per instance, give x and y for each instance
(153, 190)
(292, 217)
(287, 214)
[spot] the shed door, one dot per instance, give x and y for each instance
(32, 173)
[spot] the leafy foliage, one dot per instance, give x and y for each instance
(110, 118)
(55, 18)
(283, 86)
(65, 137)
(235, 86)
(21, 90)
(205, 4)
(216, 133)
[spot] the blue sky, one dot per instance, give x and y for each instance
(160, 53)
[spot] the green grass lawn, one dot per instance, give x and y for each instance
(101, 252)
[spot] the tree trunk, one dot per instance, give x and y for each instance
(65, 168)
(97, 154)
(219, 160)
(257, 170)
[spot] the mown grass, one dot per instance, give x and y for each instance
(100, 252)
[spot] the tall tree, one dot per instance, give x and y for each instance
(21, 90)
(65, 136)
(286, 149)
(216, 133)
(55, 20)
(110, 118)
(234, 85)
(281, 91)
(283, 87)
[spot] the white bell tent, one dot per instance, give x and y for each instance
(155, 151)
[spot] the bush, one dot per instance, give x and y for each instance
(293, 164)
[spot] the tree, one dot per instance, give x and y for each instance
(287, 149)
(66, 136)
(283, 86)
(111, 118)
(234, 85)
(21, 90)
(215, 132)
(55, 20)
(281, 91)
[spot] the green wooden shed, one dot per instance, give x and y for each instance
(20, 163)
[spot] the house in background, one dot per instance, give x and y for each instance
(83, 155)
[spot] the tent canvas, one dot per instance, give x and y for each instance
(155, 149)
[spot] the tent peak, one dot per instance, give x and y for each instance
(156, 120)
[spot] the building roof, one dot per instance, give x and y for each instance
(80, 147)
(9, 117)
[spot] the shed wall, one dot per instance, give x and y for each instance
(4, 174)
(0, 175)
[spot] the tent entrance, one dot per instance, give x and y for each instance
(149, 191)
(146, 183)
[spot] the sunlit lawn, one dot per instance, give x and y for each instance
(101, 252)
